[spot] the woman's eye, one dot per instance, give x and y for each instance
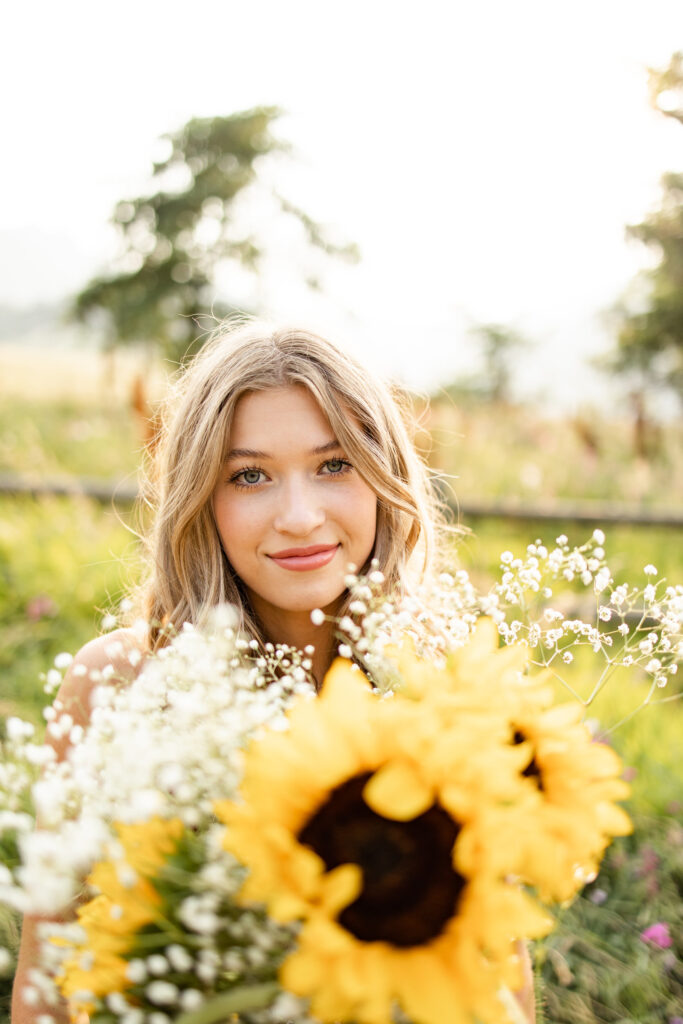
(247, 477)
(337, 466)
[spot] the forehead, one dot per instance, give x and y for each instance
(266, 419)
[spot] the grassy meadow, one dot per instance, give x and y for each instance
(66, 562)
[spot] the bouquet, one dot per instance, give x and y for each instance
(241, 848)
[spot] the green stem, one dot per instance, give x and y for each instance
(238, 1000)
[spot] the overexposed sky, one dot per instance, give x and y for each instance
(484, 156)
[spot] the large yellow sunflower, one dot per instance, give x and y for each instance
(561, 823)
(353, 821)
(126, 902)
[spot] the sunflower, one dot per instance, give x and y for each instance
(363, 821)
(126, 902)
(564, 819)
(561, 831)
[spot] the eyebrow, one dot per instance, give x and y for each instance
(253, 453)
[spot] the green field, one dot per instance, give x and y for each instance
(65, 562)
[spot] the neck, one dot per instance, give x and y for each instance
(295, 629)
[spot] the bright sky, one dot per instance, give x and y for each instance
(484, 156)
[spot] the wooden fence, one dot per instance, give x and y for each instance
(125, 493)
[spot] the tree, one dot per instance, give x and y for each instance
(650, 339)
(498, 346)
(174, 239)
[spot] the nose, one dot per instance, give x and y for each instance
(299, 511)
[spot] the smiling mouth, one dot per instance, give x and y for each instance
(305, 559)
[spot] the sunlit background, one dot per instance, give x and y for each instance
(485, 159)
(482, 161)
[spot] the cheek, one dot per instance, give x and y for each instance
(362, 515)
(233, 527)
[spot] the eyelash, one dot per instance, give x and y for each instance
(235, 480)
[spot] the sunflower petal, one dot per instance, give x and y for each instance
(396, 791)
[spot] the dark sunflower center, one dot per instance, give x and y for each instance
(532, 771)
(410, 888)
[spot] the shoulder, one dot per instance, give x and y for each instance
(115, 658)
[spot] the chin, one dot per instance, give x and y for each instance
(314, 597)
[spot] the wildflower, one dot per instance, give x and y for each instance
(657, 935)
(650, 570)
(41, 607)
(599, 537)
(602, 581)
(163, 993)
(317, 616)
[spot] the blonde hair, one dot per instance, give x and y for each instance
(189, 571)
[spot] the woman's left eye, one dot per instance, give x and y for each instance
(335, 467)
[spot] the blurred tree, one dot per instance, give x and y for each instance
(175, 238)
(498, 345)
(650, 339)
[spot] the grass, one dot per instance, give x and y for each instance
(61, 439)
(64, 562)
(511, 452)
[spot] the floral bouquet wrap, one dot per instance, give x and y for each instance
(240, 848)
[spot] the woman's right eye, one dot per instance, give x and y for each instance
(247, 477)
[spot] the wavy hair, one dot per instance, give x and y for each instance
(189, 572)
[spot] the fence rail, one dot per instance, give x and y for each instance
(124, 493)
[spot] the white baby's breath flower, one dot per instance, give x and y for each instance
(598, 536)
(317, 616)
(53, 679)
(132, 1016)
(650, 570)
(157, 964)
(162, 993)
(179, 958)
(602, 580)
(117, 1003)
(191, 999)
(136, 971)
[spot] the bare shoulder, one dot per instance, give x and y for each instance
(114, 658)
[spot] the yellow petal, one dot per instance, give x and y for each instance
(396, 791)
(341, 887)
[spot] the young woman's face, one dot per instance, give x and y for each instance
(291, 510)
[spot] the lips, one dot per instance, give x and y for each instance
(305, 559)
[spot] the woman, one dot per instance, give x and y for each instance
(284, 463)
